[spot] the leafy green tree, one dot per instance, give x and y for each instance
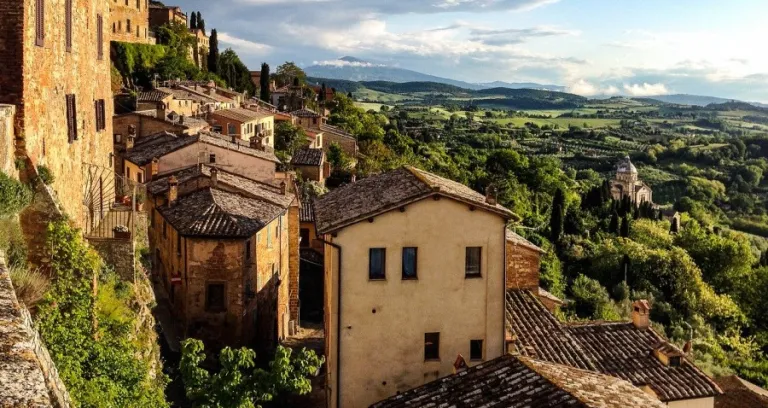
(238, 383)
(234, 71)
(287, 73)
(289, 137)
(176, 37)
(213, 52)
(591, 300)
(338, 158)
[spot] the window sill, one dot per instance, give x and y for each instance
(431, 360)
(377, 279)
(411, 279)
(473, 276)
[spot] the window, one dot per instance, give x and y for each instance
(431, 346)
(473, 262)
(100, 36)
(475, 349)
(410, 255)
(178, 244)
(138, 4)
(101, 120)
(128, 26)
(248, 249)
(40, 23)
(675, 361)
(71, 118)
(377, 263)
(140, 177)
(231, 130)
(215, 298)
(68, 24)
(304, 237)
(212, 158)
(128, 173)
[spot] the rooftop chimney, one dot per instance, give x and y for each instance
(490, 195)
(353, 178)
(214, 177)
(173, 190)
(283, 186)
(641, 314)
(129, 142)
(153, 168)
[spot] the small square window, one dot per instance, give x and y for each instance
(410, 256)
(475, 349)
(473, 262)
(215, 298)
(377, 263)
(431, 346)
(212, 158)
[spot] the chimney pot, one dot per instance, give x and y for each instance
(283, 186)
(490, 195)
(353, 178)
(641, 310)
(173, 190)
(129, 141)
(214, 177)
(154, 168)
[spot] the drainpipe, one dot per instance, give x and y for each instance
(338, 327)
(504, 290)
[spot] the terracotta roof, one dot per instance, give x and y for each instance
(307, 213)
(241, 115)
(740, 393)
(544, 294)
(305, 113)
(308, 157)
(614, 348)
(155, 95)
(386, 191)
(184, 93)
(239, 145)
(335, 130)
(516, 239)
(215, 213)
(518, 382)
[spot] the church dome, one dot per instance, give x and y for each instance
(626, 166)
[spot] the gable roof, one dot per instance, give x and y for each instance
(155, 95)
(215, 213)
(522, 382)
(241, 114)
(614, 348)
(517, 239)
(739, 393)
(307, 212)
(158, 145)
(335, 131)
(308, 157)
(383, 192)
(305, 113)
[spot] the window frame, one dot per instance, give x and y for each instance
(432, 339)
(212, 158)
(71, 113)
(382, 266)
(210, 308)
(415, 275)
(40, 23)
(467, 272)
(68, 25)
(476, 343)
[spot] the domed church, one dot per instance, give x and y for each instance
(627, 184)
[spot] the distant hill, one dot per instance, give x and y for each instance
(355, 69)
(683, 99)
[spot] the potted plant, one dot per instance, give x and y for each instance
(121, 231)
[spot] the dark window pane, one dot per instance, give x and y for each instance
(409, 263)
(476, 350)
(214, 300)
(376, 265)
(304, 237)
(431, 346)
(473, 261)
(248, 249)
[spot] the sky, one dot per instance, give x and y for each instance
(593, 47)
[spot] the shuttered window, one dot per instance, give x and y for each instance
(71, 118)
(68, 23)
(100, 36)
(40, 23)
(101, 120)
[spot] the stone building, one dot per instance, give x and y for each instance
(523, 269)
(626, 184)
(129, 20)
(162, 15)
(414, 275)
(245, 124)
(221, 245)
(199, 50)
(311, 164)
(55, 70)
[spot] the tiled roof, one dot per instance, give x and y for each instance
(386, 191)
(307, 213)
(520, 382)
(241, 115)
(516, 239)
(155, 95)
(239, 145)
(311, 255)
(308, 157)
(215, 213)
(148, 147)
(336, 131)
(543, 294)
(740, 393)
(622, 350)
(305, 113)
(614, 348)
(184, 93)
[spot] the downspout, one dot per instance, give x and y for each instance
(338, 326)
(504, 291)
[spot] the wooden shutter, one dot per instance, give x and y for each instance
(101, 120)
(71, 118)
(40, 23)
(100, 36)
(68, 23)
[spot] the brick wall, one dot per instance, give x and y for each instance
(293, 245)
(117, 253)
(522, 267)
(145, 125)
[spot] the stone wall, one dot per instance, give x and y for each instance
(293, 262)
(34, 220)
(7, 138)
(118, 253)
(137, 11)
(28, 376)
(522, 267)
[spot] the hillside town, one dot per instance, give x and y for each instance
(244, 214)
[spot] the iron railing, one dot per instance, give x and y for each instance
(110, 203)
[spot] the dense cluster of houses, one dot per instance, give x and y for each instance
(426, 297)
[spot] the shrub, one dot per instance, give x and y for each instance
(46, 175)
(12, 242)
(14, 195)
(30, 285)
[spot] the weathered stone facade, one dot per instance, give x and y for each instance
(117, 253)
(522, 266)
(293, 262)
(37, 74)
(7, 138)
(129, 21)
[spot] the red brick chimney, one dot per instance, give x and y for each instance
(641, 314)
(153, 168)
(173, 190)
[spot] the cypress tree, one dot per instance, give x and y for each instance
(213, 53)
(613, 227)
(557, 218)
(264, 83)
(193, 20)
(625, 227)
(200, 22)
(322, 93)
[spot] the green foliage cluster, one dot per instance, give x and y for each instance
(14, 195)
(239, 383)
(91, 337)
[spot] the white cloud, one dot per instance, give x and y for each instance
(342, 63)
(585, 88)
(646, 89)
(244, 46)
